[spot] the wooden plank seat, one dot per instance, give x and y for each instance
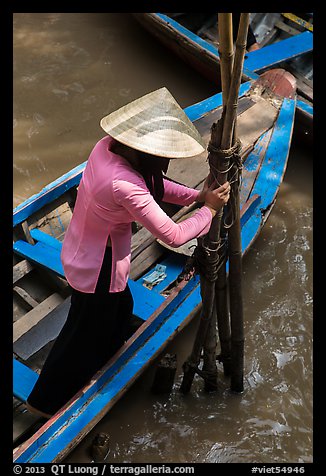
(42, 253)
(24, 380)
(38, 335)
(274, 54)
(46, 253)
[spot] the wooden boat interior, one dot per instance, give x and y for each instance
(41, 294)
(268, 28)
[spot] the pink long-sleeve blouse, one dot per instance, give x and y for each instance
(111, 195)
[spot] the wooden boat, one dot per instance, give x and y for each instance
(39, 226)
(286, 41)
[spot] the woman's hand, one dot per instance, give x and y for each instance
(216, 199)
(206, 187)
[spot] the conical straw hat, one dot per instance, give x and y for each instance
(155, 124)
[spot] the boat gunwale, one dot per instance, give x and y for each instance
(255, 221)
(204, 48)
(70, 179)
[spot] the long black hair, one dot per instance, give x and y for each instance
(153, 168)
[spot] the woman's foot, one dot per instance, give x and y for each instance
(35, 411)
(254, 47)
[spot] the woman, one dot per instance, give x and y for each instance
(122, 182)
(252, 44)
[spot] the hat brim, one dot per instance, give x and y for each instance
(155, 124)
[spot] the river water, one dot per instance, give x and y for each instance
(70, 69)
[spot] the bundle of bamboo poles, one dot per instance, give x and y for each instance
(222, 298)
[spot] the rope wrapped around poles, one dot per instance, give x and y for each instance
(222, 163)
(208, 257)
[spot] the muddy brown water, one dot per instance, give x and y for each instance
(69, 71)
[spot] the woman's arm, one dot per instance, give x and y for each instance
(179, 194)
(136, 198)
(183, 195)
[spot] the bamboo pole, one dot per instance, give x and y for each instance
(212, 239)
(221, 311)
(191, 364)
(223, 139)
(232, 101)
(236, 305)
(234, 234)
(225, 50)
(207, 286)
(223, 316)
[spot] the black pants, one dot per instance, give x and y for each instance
(97, 325)
(251, 38)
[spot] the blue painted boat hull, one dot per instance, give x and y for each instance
(204, 57)
(267, 163)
